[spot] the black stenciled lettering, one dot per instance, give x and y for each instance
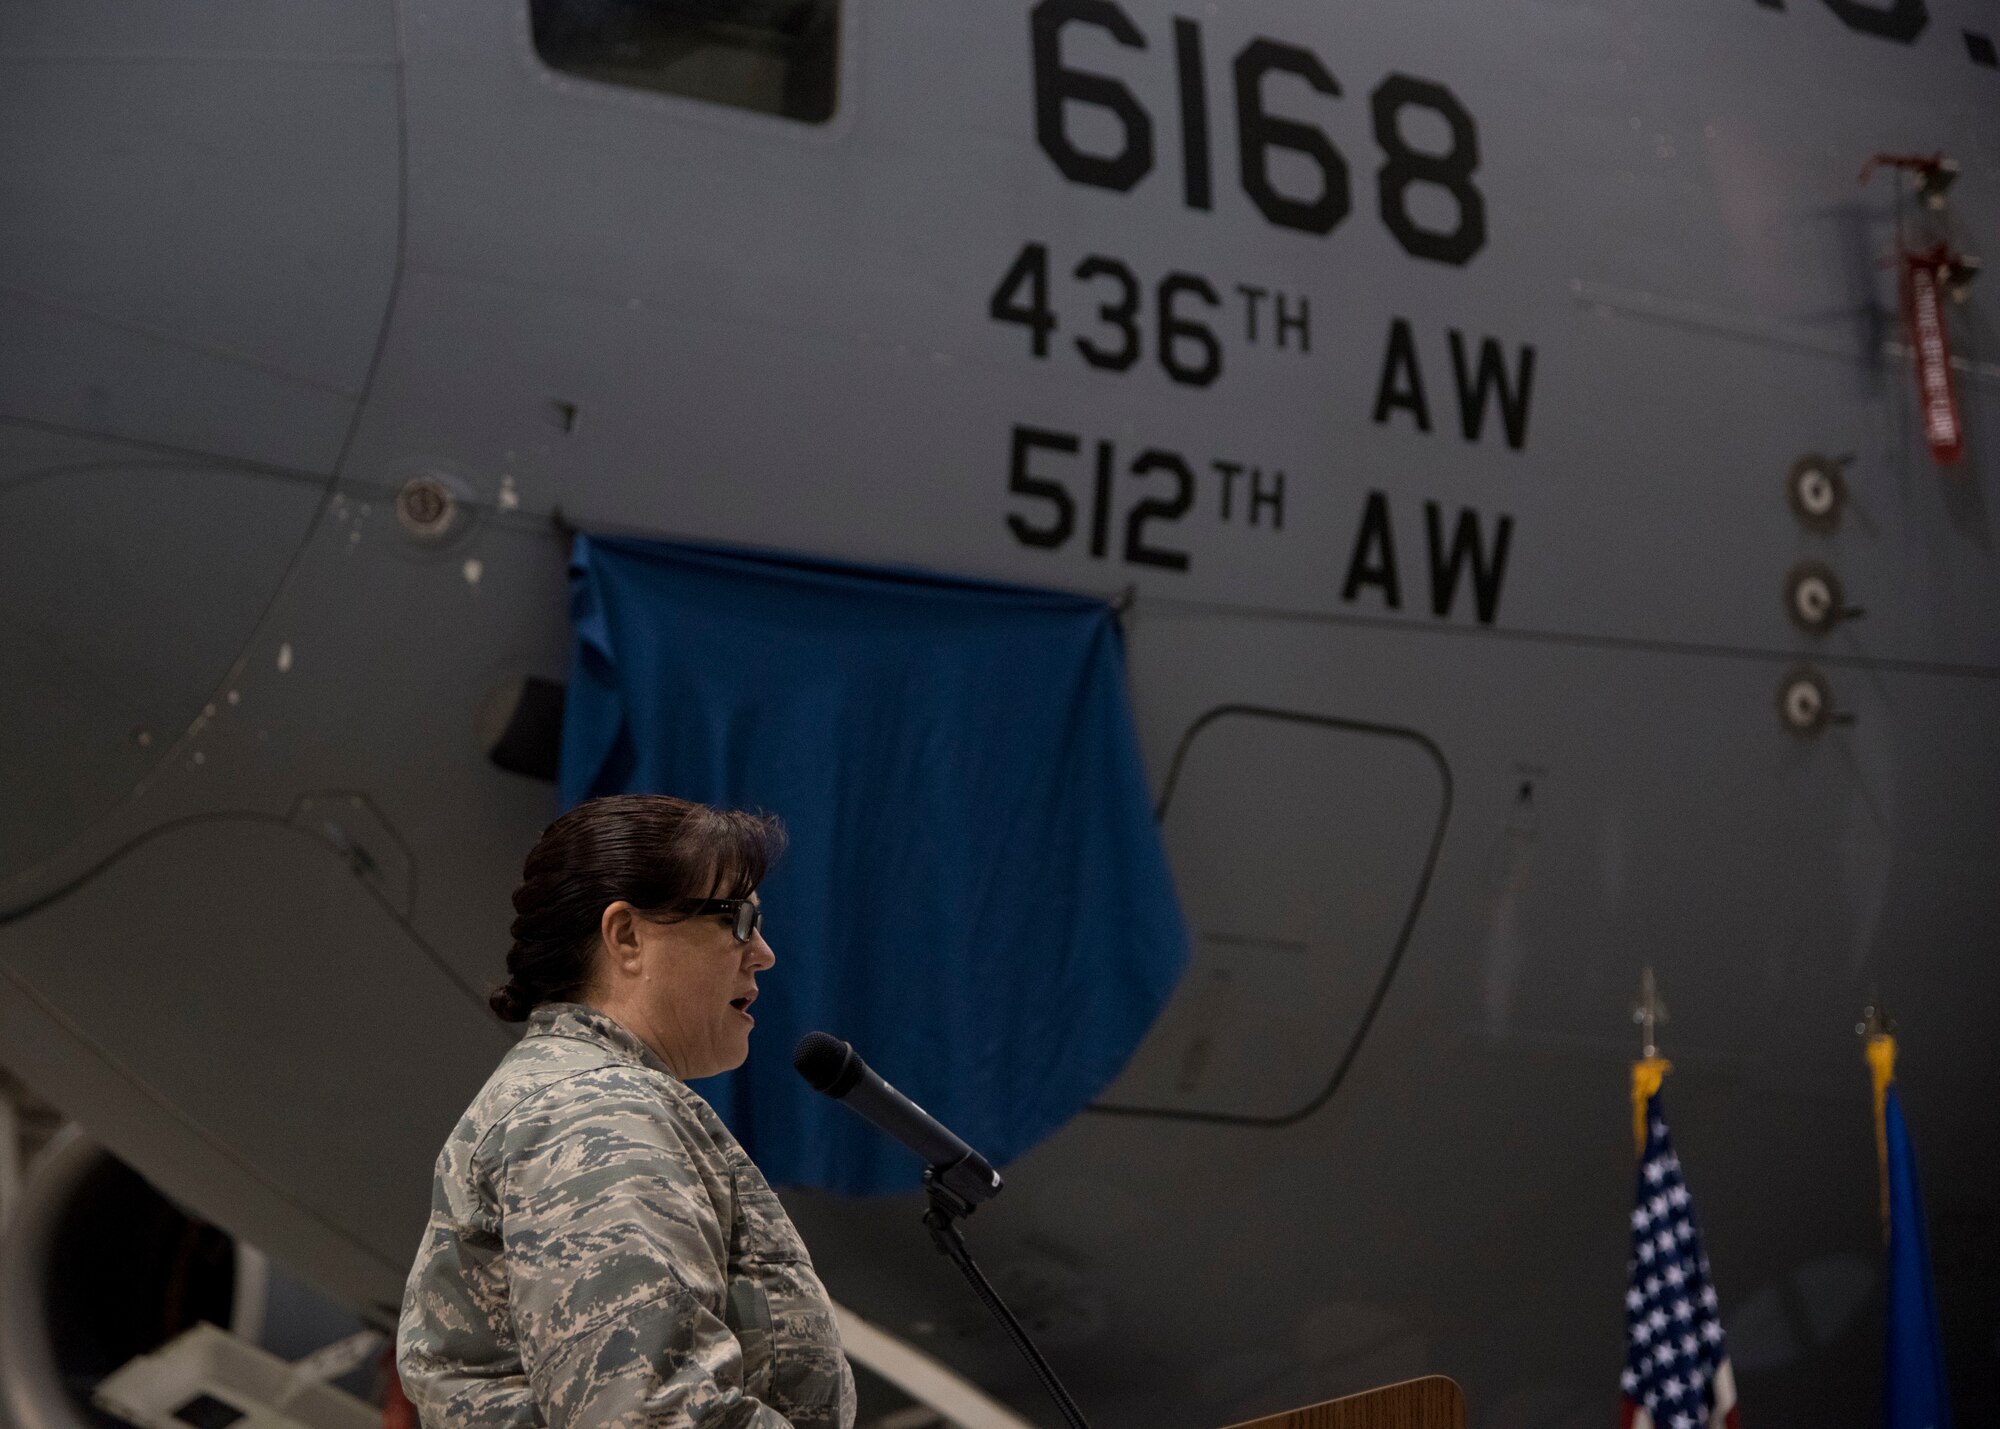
(1152, 508)
(1194, 114)
(1229, 471)
(1899, 20)
(1253, 296)
(1492, 376)
(1271, 498)
(1023, 483)
(1031, 269)
(1299, 322)
(1488, 568)
(1121, 315)
(1402, 384)
(1373, 561)
(1258, 133)
(1177, 332)
(1057, 87)
(1100, 510)
(1451, 171)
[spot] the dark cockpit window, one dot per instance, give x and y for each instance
(775, 56)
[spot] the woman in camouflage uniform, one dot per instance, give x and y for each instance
(601, 1251)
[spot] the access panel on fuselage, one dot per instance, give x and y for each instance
(1301, 846)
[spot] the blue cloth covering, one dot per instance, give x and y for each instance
(1913, 1383)
(975, 895)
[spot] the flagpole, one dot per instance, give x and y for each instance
(1878, 1033)
(1915, 1394)
(1650, 1071)
(1677, 1373)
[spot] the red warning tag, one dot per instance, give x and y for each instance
(1937, 394)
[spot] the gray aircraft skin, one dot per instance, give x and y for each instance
(1461, 692)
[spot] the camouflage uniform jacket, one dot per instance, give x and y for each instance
(602, 1252)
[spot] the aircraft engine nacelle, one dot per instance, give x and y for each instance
(96, 1267)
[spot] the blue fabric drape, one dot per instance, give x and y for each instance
(975, 895)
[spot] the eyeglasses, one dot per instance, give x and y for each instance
(747, 913)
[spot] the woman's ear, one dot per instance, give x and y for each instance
(619, 930)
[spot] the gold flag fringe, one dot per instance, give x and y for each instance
(1647, 1075)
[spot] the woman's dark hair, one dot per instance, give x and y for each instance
(658, 853)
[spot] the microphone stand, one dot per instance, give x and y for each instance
(941, 1220)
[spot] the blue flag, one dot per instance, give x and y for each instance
(1913, 1387)
(975, 896)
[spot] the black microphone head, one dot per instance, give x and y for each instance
(828, 1063)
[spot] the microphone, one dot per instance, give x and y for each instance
(833, 1067)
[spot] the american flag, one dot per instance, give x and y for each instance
(1677, 1372)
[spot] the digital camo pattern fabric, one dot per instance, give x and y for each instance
(602, 1252)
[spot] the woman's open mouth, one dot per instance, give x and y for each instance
(742, 1005)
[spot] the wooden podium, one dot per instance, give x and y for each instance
(1432, 1402)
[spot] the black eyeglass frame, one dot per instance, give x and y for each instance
(747, 913)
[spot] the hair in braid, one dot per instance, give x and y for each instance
(653, 851)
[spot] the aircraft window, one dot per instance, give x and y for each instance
(774, 56)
